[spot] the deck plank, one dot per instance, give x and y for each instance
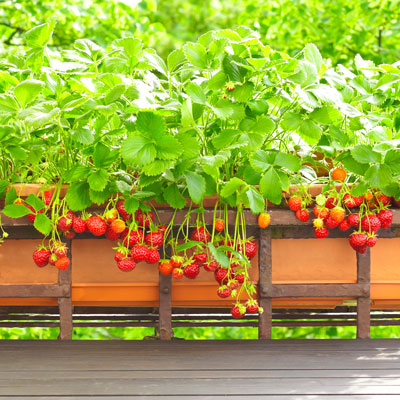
(201, 370)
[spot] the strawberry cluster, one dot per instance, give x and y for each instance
(367, 214)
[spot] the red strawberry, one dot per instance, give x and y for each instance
(233, 284)
(41, 256)
(62, 263)
(64, 224)
(321, 212)
(162, 228)
(165, 267)
(121, 210)
(177, 273)
(330, 223)
(370, 223)
(321, 233)
(60, 250)
(250, 249)
(352, 201)
(153, 256)
(155, 239)
(200, 258)
(78, 225)
(294, 203)
(357, 240)
(32, 216)
(139, 252)
(239, 277)
(126, 264)
(200, 235)
(69, 234)
(337, 214)
(191, 270)
(238, 311)
(118, 226)
(47, 197)
(386, 218)
(302, 215)
(143, 219)
(331, 202)
(223, 291)
(110, 234)
(211, 266)
(219, 225)
(252, 306)
(134, 237)
(111, 215)
(354, 220)
(176, 261)
(382, 199)
(345, 225)
(120, 255)
(70, 215)
(52, 260)
(96, 225)
(221, 275)
(371, 240)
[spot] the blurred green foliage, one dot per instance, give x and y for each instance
(339, 28)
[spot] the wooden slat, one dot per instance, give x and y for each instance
(364, 303)
(27, 291)
(165, 307)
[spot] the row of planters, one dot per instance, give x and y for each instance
(122, 129)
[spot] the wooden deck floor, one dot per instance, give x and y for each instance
(199, 370)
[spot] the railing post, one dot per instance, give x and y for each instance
(364, 302)
(265, 284)
(65, 303)
(165, 307)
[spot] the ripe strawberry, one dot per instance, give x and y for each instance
(121, 210)
(176, 261)
(371, 240)
(200, 258)
(111, 215)
(330, 223)
(47, 197)
(370, 223)
(96, 225)
(191, 270)
(345, 225)
(386, 218)
(62, 263)
(118, 226)
(354, 220)
(211, 266)
(219, 225)
(357, 240)
(252, 306)
(200, 234)
(321, 233)
(111, 235)
(239, 277)
(238, 311)
(155, 239)
(41, 256)
(120, 255)
(78, 225)
(69, 234)
(153, 256)
(143, 219)
(221, 275)
(382, 199)
(321, 212)
(139, 252)
(70, 215)
(64, 224)
(52, 260)
(295, 203)
(177, 273)
(223, 291)
(134, 237)
(233, 284)
(337, 214)
(352, 201)
(250, 249)
(318, 223)
(302, 215)
(330, 202)
(60, 250)
(368, 196)
(126, 264)
(264, 220)
(338, 174)
(165, 267)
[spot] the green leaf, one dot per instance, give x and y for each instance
(186, 246)
(312, 54)
(16, 210)
(392, 159)
(325, 115)
(364, 154)
(354, 166)
(271, 186)
(3, 188)
(114, 93)
(263, 125)
(174, 197)
(256, 201)
(132, 46)
(27, 90)
(288, 161)
(291, 121)
(379, 175)
(98, 180)
(40, 35)
(11, 196)
(157, 167)
(123, 187)
(175, 59)
(310, 131)
(217, 81)
(77, 173)
(260, 160)
(150, 124)
(137, 149)
(196, 186)
(100, 197)
(225, 138)
(196, 93)
(103, 157)
(42, 223)
(196, 54)
(35, 202)
(243, 93)
(83, 135)
(219, 255)
(78, 197)
(360, 189)
(232, 186)
(168, 148)
(8, 104)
